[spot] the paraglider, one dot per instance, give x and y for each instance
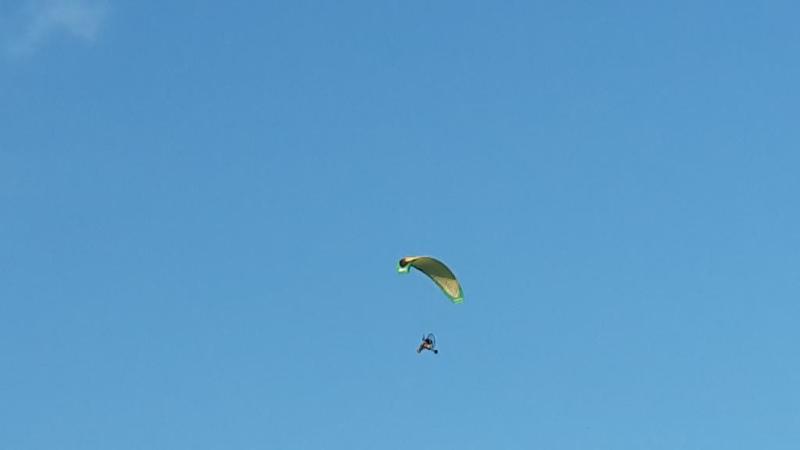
(437, 271)
(440, 274)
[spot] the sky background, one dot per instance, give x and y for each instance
(202, 205)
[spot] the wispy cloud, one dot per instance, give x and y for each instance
(35, 22)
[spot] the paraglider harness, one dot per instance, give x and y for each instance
(428, 343)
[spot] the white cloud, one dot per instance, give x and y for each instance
(38, 21)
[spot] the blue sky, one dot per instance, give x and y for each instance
(203, 205)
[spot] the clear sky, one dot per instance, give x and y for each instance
(202, 205)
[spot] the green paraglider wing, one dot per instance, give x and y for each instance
(436, 271)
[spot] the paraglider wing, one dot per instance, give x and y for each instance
(436, 271)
